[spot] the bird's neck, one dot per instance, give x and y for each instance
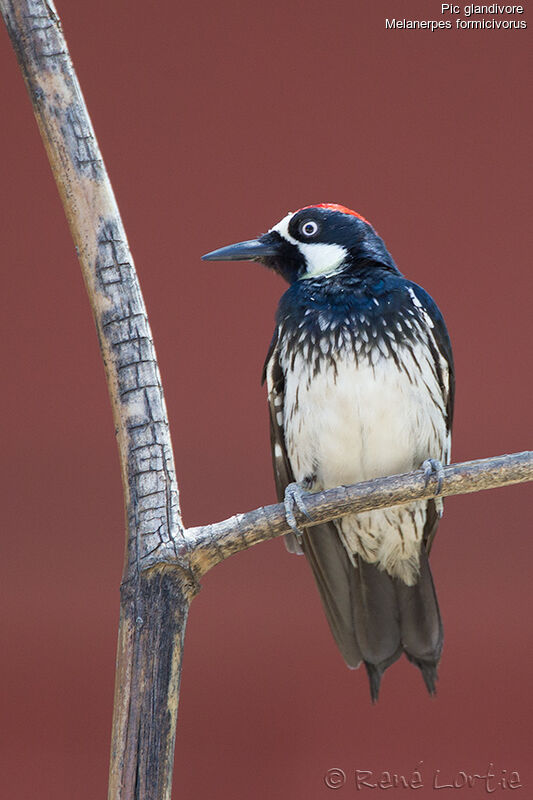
(323, 302)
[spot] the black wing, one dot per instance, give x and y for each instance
(283, 474)
(441, 349)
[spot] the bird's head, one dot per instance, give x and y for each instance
(319, 240)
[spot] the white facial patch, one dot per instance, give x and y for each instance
(320, 258)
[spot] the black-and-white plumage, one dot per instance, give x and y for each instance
(360, 385)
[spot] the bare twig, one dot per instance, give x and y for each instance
(244, 530)
(162, 560)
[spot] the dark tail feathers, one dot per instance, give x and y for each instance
(375, 618)
(391, 618)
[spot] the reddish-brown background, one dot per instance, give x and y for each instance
(215, 119)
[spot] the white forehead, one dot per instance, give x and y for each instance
(283, 228)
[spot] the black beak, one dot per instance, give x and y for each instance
(253, 250)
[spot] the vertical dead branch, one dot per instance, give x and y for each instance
(154, 602)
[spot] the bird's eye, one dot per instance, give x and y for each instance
(309, 228)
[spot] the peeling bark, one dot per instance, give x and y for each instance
(154, 602)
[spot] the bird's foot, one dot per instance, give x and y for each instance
(433, 467)
(294, 497)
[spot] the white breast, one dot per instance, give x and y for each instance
(362, 421)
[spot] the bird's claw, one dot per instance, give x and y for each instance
(433, 467)
(294, 496)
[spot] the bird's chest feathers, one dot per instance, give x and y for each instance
(357, 407)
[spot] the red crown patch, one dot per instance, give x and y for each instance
(337, 207)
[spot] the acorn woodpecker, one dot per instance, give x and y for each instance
(360, 385)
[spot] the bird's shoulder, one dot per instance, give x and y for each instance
(438, 340)
(376, 299)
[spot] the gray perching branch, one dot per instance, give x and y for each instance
(163, 561)
(210, 544)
